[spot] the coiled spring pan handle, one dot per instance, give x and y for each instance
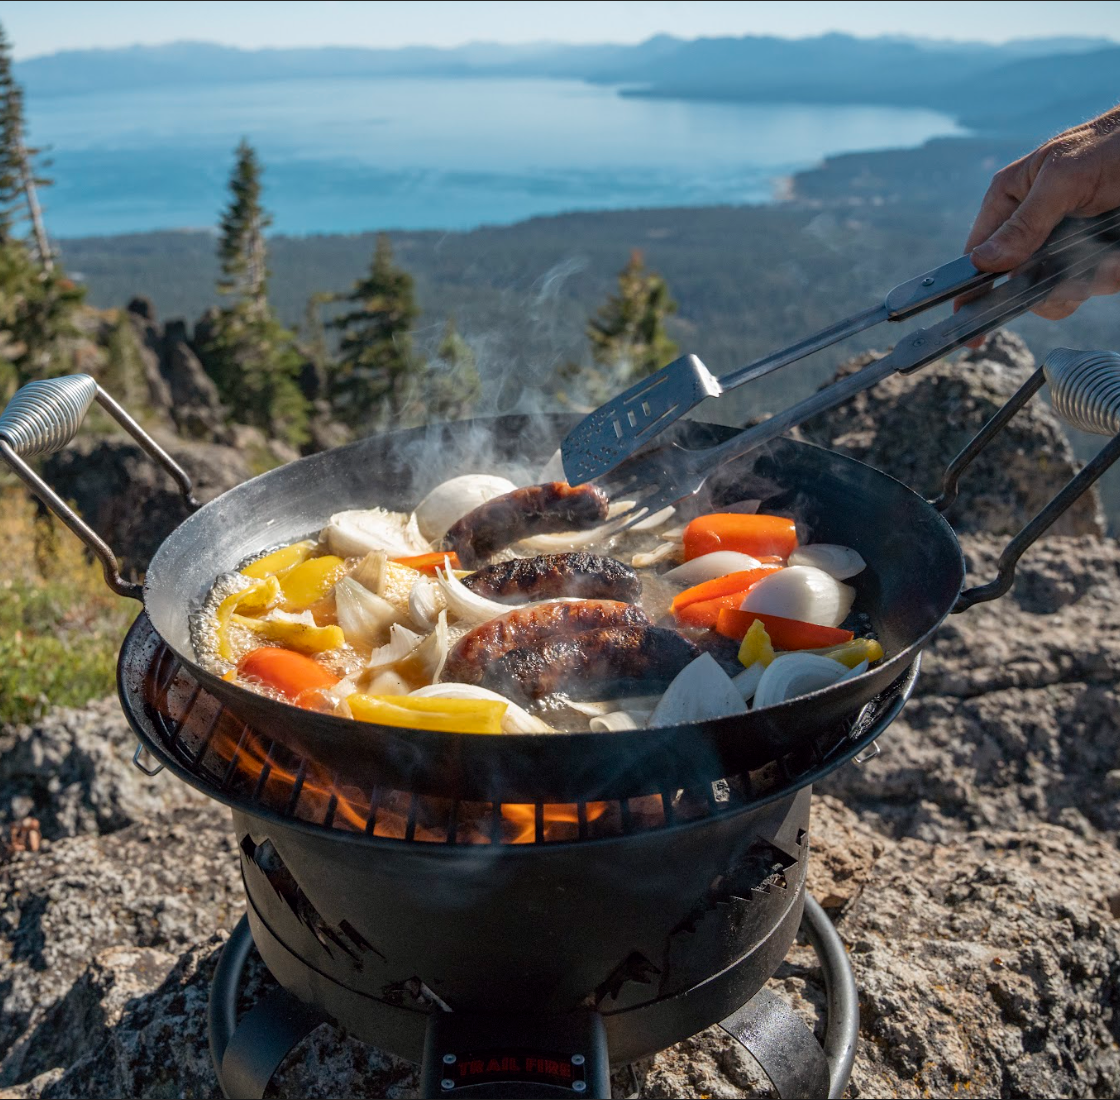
(41, 419)
(1085, 393)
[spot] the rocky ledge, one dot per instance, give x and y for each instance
(971, 868)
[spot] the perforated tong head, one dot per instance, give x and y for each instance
(614, 431)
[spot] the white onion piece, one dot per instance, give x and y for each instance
(617, 720)
(465, 604)
(855, 670)
(401, 643)
(661, 553)
(564, 541)
(803, 593)
(792, 674)
(746, 682)
(355, 533)
(365, 618)
(370, 571)
(386, 682)
(304, 618)
(425, 602)
(701, 690)
(448, 502)
(840, 562)
(597, 708)
(430, 655)
(708, 567)
(515, 719)
(655, 520)
(672, 534)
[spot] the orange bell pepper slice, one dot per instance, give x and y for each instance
(721, 586)
(705, 613)
(429, 563)
(784, 633)
(757, 535)
(291, 674)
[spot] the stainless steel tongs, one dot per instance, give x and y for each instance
(614, 431)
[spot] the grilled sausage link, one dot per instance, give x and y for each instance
(529, 626)
(549, 576)
(597, 663)
(533, 510)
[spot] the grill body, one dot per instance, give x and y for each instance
(664, 932)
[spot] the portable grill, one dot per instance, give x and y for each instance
(519, 911)
(623, 925)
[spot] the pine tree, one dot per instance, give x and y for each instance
(18, 180)
(451, 385)
(628, 337)
(241, 251)
(376, 367)
(249, 354)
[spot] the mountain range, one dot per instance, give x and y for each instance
(1022, 86)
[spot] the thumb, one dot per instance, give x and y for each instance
(1024, 231)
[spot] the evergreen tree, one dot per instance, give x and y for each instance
(249, 354)
(376, 368)
(18, 181)
(36, 299)
(241, 251)
(449, 387)
(628, 337)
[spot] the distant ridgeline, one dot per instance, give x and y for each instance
(1029, 86)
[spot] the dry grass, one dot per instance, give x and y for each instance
(60, 626)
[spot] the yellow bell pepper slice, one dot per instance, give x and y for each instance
(279, 561)
(852, 653)
(756, 646)
(448, 715)
(257, 598)
(308, 583)
(298, 636)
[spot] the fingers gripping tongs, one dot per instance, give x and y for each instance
(613, 432)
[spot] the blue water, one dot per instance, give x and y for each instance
(349, 155)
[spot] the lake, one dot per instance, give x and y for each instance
(416, 153)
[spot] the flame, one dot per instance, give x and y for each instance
(524, 817)
(311, 794)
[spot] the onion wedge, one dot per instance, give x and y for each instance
(449, 501)
(710, 566)
(803, 593)
(840, 562)
(700, 691)
(794, 674)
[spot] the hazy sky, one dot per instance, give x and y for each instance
(37, 27)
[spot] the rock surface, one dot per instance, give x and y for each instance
(912, 426)
(130, 501)
(971, 868)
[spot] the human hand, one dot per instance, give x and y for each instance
(1077, 173)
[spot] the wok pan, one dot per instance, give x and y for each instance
(913, 581)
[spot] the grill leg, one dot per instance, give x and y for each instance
(779, 1041)
(247, 1053)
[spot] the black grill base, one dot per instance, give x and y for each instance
(246, 1053)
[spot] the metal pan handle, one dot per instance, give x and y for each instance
(41, 419)
(1085, 393)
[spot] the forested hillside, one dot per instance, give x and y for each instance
(747, 279)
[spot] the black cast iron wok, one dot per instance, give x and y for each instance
(913, 579)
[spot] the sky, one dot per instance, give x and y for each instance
(36, 27)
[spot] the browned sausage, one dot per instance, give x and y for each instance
(549, 576)
(533, 510)
(529, 626)
(597, 664)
